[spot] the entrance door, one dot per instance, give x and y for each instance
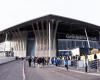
(30, 47)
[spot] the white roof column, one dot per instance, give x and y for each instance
(37, 39)
(42, 40)
(34, 31)
(15, 43)
(49, 39)
(52, 37)
(22, 43)
(19, 44)
(6, 37)
(46, 39)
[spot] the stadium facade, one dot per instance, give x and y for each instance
(49, 36)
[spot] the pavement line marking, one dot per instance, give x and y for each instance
(23, 72)
(82, 72)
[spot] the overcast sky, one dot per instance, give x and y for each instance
(14, 12)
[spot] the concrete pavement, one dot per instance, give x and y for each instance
(17, 71)
(11, 71)
(55, 73)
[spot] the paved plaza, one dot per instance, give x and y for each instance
(19, 70)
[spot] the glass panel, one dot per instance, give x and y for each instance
(69, 44)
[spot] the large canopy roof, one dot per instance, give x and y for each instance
(66, 23)
(55, 17)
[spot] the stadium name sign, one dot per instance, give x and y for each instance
(80, 37)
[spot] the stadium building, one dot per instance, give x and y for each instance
(49, 36)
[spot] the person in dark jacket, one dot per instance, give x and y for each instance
(56, 61)
(34, 60)
(95, 56)
(30, 61)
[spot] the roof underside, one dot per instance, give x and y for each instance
(65, 25)
(66, 21)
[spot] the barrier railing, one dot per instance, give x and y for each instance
(93, 66)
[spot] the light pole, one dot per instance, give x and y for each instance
(86, 57)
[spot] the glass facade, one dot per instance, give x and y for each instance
(64, 44)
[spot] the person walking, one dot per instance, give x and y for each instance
(30, 61)
(56, 61)
(66, 63)
(34, 60)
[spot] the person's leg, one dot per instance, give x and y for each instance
(38, 65)
(29, 64)
(56, 64)
(34, 64)
(67, 67)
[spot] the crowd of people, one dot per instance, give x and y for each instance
(40, 61)
(43, 61)
(66, 61)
